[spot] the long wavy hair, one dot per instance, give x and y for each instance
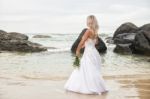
(92, 23)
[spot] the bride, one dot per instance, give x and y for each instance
(88, 79)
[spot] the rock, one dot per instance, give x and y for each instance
(123, 48)
(2, 32)
(17, 36)
(75, 44)
(12, 36)
(126, 28)
(101, 47)
(145, 27)
(41, 36)
(135, 39)
(148, 60)
(21, 46)
(14, 41)
(142, 42)
(124, 38)
(147, 35)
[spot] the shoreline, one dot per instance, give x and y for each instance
(120, 87)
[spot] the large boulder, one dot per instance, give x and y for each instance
(142, 42)
(14, 41)
(12, 35)
(126, 28)
(21, 46)
(123, 48)
(135, 39)
(124, 38)
(101, 47)
(17, 36)
(145, 27)
(2, 32)
(147, 35)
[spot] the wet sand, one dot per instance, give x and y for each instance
(120, 87)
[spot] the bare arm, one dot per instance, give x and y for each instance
(81, 44)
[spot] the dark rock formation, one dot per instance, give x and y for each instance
(101, 47)
(145, 27)
(14, 41)
(124, 38)
(126, 28)
(123, 48)
(142, 42)
(136, 39)
(12, 36)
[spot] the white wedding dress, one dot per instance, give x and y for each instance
(87, 79)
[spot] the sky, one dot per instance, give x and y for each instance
(69, 16)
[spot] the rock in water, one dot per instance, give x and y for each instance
(14, 41)
(126, 28)
(145, 27)
(123, 48)
(12, 36)
(142, 42)
(21, 46)
(124, 38)
(17, 36)
(75, 44)
(135, 39)
(101, 47)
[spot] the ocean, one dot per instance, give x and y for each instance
(58, 62)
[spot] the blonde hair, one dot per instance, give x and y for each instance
(93, 24)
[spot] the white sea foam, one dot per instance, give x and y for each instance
(59, 50)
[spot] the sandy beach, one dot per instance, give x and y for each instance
(120, 87)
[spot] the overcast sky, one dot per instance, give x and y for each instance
(69, 16)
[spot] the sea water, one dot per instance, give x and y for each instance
(57, 62)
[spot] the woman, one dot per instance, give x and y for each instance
(88, 79)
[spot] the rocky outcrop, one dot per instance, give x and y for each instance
(130, 38)
(127, 27)
(145, 27)
(14, 41)
(123, 48)
(41, 36)
(124, 38)
(142, 42)
(101, 47)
